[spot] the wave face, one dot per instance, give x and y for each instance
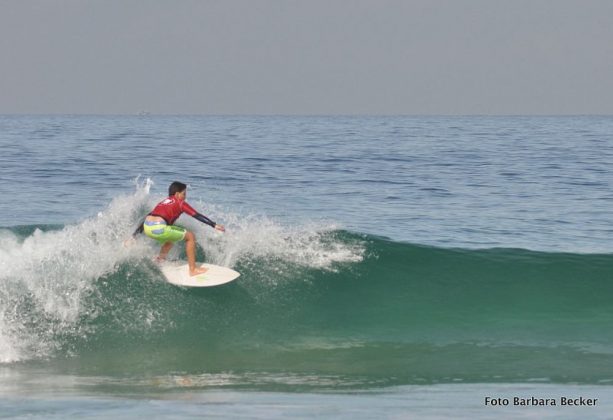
(313, 307)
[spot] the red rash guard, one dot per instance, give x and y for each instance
(171, 208)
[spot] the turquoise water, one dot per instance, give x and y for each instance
(382, 258)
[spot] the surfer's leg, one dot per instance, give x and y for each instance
(165, 235)
(190, 250)
(165, 250)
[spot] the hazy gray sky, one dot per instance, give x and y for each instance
(307, 56)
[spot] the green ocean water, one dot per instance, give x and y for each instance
(400, 314)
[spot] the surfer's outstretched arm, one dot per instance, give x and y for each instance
(202, 218)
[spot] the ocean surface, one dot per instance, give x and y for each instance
(395, 267)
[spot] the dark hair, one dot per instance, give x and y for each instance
(176, 187)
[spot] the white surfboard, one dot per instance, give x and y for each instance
(178, 273)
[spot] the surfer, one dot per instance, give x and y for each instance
(159, 225)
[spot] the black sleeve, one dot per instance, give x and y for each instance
(204, 219)
(139, 229)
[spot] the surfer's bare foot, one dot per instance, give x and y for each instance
(197, 270)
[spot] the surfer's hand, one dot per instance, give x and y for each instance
(220, 228)
(129, 242)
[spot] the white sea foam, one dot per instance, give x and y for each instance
(45, 276)
(258, 237)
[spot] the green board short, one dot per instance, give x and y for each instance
(163, 233)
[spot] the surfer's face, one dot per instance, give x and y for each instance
(182, 194)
